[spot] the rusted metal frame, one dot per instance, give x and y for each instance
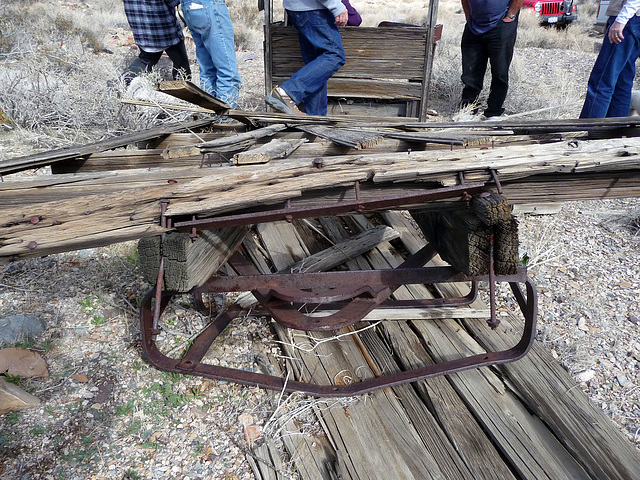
(193, 366)
(346, 206)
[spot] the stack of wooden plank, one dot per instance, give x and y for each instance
(522, 420)
(94, 206)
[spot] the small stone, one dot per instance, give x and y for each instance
(17, 328)
(245, 419)
(251, 433)
(585, 376)
(633, 319)
(623, 381)
(80, 377)
(582, 324)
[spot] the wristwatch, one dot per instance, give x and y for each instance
(511, 16)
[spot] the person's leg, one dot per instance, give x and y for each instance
(218, 66)
(500, 41)
(620, 104)
(612, 63)
(321, 48)
(143, 63)
(474, 66)
(178, 55)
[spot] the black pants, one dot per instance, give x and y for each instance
(147, 60)
(495, 46)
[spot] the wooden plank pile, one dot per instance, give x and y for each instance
(522, 420)
(98, 205)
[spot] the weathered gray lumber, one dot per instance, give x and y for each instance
(372, 436)
(229, 143)
(188, 262)
(553, 395)
(265, 461)
(613, 170)
(522, 438)
(190, 92)
(470, 443)
(350, 137)
(490, 208)
(463, 239)
(274, 149)
(18, 164)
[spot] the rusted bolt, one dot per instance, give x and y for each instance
(289, 218)
(32, 245)
(466, 197)
(318, 162)
(35, 220)
(171, 180)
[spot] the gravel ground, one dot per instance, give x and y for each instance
(107, 414)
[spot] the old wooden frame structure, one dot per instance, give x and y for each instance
(390, 63)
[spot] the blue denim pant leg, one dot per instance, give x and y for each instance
(212, 32)
(322, 52)
(611, 80)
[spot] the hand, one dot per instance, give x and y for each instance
(507, 19)
(341, 20)
(615, 32)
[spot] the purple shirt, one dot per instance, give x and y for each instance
(354, 17)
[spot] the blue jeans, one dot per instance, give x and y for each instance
(212, 32)
(494, 46)
(611, 80)
(323, 55)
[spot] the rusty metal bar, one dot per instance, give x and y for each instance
(345, 206)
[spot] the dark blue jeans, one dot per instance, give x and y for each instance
(611, 80)
(323, 55)
(496, 47)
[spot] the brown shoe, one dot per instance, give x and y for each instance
(282, 102)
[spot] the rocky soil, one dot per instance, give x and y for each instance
(105, 414)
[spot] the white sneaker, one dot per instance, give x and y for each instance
(492, 119)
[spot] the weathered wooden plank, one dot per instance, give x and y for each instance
(229, 143)
(475, 450)
(541, 170)
(276, 148)
(354, 138)
(190, 92)
(551, 393)
(375, 435)
(188, 262)
(523, 439)
(13, 165)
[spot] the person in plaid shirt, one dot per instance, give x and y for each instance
(155, 30)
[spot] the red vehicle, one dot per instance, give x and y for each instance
(559, 12)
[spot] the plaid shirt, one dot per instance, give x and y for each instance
(154, 23)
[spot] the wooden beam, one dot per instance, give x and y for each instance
(185, 90)
(18, 164)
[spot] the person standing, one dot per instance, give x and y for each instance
(611, 80)
(317, 23)
(212, 30)
(155, 29)
(489, 37)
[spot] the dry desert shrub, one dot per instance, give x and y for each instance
(54, 68)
